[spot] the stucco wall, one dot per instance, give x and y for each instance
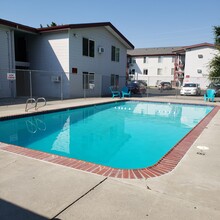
(60, 52)
(56, 53)
(152, 66)
(197, 65)
(193, 62)
(101, 64)
(49, 53)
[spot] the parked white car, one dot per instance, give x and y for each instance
(190, 89)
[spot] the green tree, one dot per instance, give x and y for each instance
(53, 24)
(215, 62)
(217, 36)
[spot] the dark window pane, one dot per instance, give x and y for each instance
(91, 48)
(113, 53)
(117, 54)
(85, 47)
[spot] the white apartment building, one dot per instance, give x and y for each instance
(172, 64)
(73, 58)
(152, 64)
(197, 59)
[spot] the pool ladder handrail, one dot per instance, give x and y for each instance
(40, 98)
(35, 103)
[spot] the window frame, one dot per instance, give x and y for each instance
(159, 71)
(88, 79)
(115, 54)
(144, 72)
(88, 47)
(160, 59)
(145, 59)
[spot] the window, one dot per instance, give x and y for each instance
(132, 71)
(172, 71)
(88, 47)
(173, 59)
(160, 59)
(20, 48)
(145, 71)
(115, 54)
(199, 70)
(145, 60)
(88, 80)
(159, 71)
(200, 56)
(114, 80)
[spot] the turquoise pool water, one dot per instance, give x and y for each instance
(127, 135)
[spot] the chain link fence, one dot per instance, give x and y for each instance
(154, 88)
(56, 85)
(61, 85)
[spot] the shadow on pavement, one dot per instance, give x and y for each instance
(10, 211)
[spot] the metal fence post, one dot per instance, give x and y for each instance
(61, 87)
(31, 93)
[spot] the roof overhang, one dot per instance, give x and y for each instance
(106, 25)
(114, 31)
(195, 46)
(18, 27)
(119, 36)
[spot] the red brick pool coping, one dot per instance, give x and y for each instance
(165, 165)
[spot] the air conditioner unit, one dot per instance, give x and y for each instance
(100, 49)
(91, 86)
(55, 79)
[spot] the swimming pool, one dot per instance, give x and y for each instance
(126, 135)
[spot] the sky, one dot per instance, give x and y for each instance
(145, 23)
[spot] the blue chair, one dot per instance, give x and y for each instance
(114, 92)
(209, 95)
(125, 92)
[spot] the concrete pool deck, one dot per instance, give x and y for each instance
(34, 189)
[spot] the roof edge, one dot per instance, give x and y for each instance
(115, 31)
(205, 44)
(87, 25)
(72, 26)
(18, 26)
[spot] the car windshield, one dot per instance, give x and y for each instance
(190, 85)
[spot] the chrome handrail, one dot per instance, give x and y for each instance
(35, 103)
(40, 98)
(30, 100)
